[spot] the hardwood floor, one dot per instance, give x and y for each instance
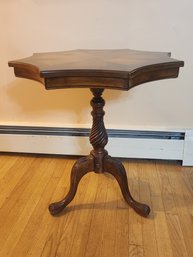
(97, 223)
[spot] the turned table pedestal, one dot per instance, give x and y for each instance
(97, 70)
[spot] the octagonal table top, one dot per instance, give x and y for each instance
(113, 69)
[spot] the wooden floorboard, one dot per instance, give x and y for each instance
(98, 222)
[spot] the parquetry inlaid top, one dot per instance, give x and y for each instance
(115, 69)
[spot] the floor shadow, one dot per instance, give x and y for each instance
(109, 206)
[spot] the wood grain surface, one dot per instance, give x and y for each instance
(116, 69)
(98, 222)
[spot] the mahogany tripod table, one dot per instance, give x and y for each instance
(97, 70)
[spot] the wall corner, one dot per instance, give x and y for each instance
(188, 149)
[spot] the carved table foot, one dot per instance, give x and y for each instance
(116, 168)
(80, 168)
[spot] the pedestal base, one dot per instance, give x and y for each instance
(99, 161)
(110, 165)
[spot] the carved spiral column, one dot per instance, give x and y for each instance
(98, 135)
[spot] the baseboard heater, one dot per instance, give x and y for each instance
(146, 144)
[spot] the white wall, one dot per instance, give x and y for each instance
(28, 26)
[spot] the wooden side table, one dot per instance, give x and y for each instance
(97, 70)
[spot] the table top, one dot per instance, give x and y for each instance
(114, 69)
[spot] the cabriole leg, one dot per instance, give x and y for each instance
(80, 168)
(116, 168)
